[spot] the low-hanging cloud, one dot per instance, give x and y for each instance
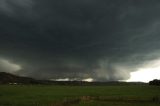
(103, 40)
(6, 66)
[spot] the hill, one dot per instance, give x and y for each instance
(7, 78)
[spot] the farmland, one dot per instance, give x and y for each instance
(55, 95)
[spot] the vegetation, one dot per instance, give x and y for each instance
(50, 95)
(155, 82)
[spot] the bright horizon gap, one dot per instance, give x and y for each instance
(146, 74)
(67, 79)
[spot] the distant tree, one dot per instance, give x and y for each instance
(155, 82)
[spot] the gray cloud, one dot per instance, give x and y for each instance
(15, 7)
(8, 66)
(104, 40)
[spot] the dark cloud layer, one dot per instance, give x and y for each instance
(100, 39)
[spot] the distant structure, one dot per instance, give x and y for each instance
(155, 82)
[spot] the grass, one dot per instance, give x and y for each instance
(43, 95)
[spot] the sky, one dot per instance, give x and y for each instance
(95, 40)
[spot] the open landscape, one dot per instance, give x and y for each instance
(54, 95)
(79, 52)
(25, 91)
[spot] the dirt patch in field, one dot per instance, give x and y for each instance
(87, 99)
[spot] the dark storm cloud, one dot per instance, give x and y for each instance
(100, 39)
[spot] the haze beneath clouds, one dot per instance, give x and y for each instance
(78, 39)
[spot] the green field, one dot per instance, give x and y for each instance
(49, 95)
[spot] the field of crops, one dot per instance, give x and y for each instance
(49, 95)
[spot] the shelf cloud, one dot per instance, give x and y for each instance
(79, 39)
